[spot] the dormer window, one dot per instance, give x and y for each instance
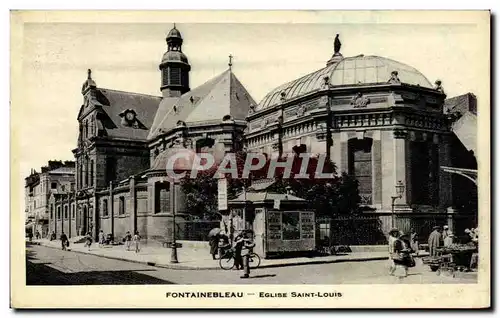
(129, 118)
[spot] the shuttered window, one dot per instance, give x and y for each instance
(175, 76)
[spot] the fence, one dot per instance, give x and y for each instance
(359, 230)
(372, 229)
(195, 230)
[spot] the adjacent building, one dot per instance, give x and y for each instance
(56, 177)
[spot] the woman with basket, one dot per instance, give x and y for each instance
(401, 254)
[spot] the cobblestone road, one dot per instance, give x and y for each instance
(49, 266)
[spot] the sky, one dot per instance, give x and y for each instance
(125, 56)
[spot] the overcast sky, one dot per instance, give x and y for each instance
(125, 56)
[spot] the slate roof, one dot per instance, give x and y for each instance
(465, 127)
(220, 96)
(115, 102)
(461, 104)
(63, 170)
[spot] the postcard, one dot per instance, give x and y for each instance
(250, 159)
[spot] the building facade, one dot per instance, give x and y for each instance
(379, 120)
(56, 177)
(124, 139)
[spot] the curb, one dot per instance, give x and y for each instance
(184, 267)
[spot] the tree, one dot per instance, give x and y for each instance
(333, 196)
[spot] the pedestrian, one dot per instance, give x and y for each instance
(435, 241)
(248, 245)
(30, 236)
(393, 234)
(402, 256)
(137, 239)
(414, 241)
(128, 240)
(446, 231)
(213, 242)
(238, 246)
(449, 240)
(53, 236)
(88, 240)
(37, 235)
(102, 238)
(64, 240)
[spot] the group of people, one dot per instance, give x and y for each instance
(128, 239)
(136, 238)
(242, 247)
(401, 246)
(444, 237)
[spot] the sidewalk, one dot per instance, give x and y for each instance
(194, 259)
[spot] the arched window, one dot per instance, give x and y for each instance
(162, 197)
(86, 171)
(65, 211)
(121, 206)
(360, 166)
(105, 207)
(58, 212)
(51, 211)
(91, 173)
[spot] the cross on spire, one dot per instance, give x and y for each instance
(89, 73)
(230, 61)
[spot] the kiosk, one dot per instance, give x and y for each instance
(281, 222)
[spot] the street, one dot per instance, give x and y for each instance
(49, 266)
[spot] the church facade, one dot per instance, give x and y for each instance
(379, 120)
(121, 181)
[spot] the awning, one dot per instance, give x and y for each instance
(470, 174)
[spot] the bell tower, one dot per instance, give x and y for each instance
(174, 67)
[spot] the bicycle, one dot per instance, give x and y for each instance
(227, 260)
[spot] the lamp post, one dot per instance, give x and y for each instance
(400, 189)
(173, 255)
(179, 143)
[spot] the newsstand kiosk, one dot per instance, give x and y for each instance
(281, 222)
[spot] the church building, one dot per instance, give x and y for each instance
(121, 156)
(379, 120)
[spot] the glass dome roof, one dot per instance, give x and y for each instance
(357, 70)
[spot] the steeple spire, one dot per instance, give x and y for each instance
(230, 64)
(89, 82)
(174, 67)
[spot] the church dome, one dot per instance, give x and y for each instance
(183, 160)
(174, 56)
(350, 71)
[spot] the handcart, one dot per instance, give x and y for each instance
(451, 259)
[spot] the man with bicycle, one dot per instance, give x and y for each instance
(247, 246)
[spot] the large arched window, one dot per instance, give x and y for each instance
(360, 166)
